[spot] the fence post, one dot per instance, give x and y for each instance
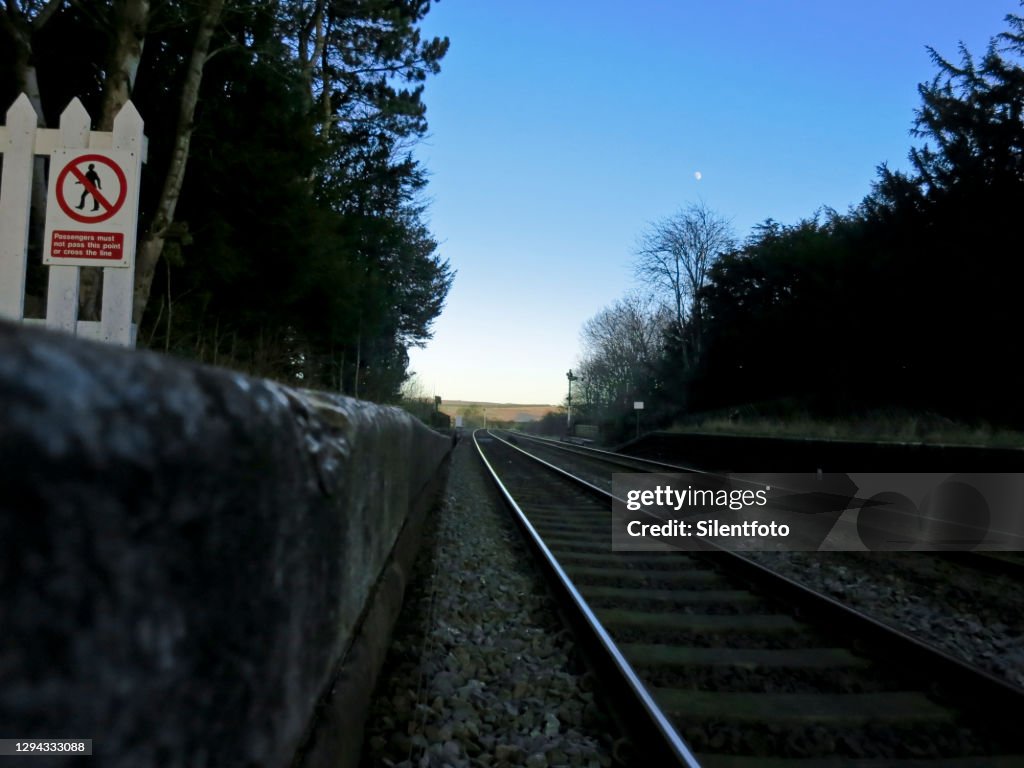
(15, 205)
(21, 141)
(119, 284)
(62, 296)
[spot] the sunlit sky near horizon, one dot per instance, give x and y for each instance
(559, 130)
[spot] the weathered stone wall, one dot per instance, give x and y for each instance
(185, 552)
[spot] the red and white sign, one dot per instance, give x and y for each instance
(92, 208)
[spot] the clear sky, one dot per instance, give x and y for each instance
(559, 129)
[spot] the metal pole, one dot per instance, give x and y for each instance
(568, 418)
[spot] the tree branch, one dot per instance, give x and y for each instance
(44, 15)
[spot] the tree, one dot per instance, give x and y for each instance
(783, 314)
(551, 423)
(353, 53)
(673, 259)
(22, 26)
(281, 222)
(905, 302)
(151, 244)
(473, 416)
(620, 346)
(123, 27)
(947, 231)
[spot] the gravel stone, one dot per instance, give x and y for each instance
(480, 671)
(975, 616)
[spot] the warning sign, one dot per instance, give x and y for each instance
(92, 208)
(87, 245)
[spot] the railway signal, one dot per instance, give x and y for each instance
(568, 418)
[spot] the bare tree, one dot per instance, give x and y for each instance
(675, 254)
(620, 345)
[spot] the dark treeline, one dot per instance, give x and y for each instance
(281, 228)
(909, 301)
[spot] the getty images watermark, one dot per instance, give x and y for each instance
(812, 512)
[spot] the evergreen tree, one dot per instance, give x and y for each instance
(291, 243)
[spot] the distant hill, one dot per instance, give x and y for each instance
(518, 412)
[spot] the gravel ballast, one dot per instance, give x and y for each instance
(481, 671)
(971, 615)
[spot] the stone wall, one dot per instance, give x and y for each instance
(186, 552)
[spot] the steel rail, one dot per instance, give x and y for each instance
(998, 698)
(585, 450)
(645, 719)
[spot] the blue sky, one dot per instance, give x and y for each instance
(559, 130)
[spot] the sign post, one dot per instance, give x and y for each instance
(638, 405)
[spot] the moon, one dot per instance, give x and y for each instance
(698, 175)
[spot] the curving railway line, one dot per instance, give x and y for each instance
(718, 662)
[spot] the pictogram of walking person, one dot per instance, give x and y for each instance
(93, 178)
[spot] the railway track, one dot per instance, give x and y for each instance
(597, 466)
(726, 665)
(594, 465)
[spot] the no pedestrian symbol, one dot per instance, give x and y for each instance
(91, 210)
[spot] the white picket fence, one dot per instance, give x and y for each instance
(20, 142)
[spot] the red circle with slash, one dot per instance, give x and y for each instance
(109, 208)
